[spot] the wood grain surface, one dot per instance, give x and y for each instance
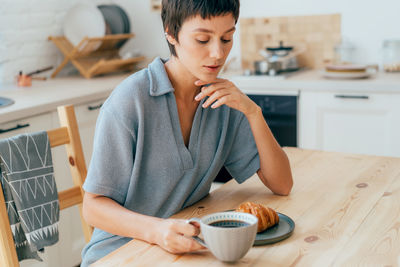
(345, 206)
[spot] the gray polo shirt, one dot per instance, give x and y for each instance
(140, 159)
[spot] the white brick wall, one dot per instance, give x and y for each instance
(24, 28)
(26, 24)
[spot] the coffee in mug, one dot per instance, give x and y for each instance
(228, 235)
(229, 224)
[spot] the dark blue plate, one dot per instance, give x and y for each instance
(276, 233)
(117, 19)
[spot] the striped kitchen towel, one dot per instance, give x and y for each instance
(30, 192)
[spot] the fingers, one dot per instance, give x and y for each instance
(181, 244)
(215, 96)
(177, 237)
(187, 244)
(216, 91)
(187, 229)
(194, 223)
(221, 101)
(208, 90)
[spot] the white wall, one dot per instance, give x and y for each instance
(26, 24)
(365, 23)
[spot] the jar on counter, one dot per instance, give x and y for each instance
(344, 52)
(391, 55)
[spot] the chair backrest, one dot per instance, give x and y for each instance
(68, 135)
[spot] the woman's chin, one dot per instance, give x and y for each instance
(208, 78)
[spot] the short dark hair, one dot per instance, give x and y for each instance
(175, 12)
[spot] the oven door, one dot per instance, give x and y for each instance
(280, 113)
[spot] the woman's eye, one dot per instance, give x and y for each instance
(202, 41)
(206, 41)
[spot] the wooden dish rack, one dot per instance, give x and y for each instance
(95, 55)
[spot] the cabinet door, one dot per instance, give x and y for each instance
(354, 123)
(27, 125)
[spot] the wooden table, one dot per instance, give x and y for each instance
(346, 208)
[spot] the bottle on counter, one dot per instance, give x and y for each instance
(344, 52)
(391, 55)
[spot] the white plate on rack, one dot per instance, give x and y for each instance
(84, 20)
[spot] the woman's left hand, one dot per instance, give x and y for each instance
(224, 92)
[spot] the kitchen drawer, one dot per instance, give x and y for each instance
(27, 125)
(354, 123)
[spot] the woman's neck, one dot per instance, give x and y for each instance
(181, 79)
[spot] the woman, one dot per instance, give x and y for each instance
(166, 131)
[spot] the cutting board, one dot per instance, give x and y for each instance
(317, 34)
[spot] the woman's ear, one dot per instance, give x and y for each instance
(170, 39)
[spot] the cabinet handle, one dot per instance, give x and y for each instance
(95, 107)
(353, 96)
(19, 126)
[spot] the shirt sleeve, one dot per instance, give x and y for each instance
(111, 165)
(243, 160)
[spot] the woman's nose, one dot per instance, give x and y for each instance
(216, 51)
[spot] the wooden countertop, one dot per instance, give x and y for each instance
(345, 206)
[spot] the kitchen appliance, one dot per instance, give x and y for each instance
(280, 113)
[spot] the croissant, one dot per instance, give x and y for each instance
(267, 217)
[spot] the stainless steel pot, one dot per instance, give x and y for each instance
(285, 55)
(265, 67)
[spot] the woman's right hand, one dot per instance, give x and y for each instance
(175, 236)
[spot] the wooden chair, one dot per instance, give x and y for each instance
(68, 135)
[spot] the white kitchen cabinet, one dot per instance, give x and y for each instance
(365, 123)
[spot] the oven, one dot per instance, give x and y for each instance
(280, 112)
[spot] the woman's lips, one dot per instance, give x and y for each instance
(212, 68)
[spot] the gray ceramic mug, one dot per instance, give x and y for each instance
(228, 235)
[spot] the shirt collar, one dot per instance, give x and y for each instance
(159, 81)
